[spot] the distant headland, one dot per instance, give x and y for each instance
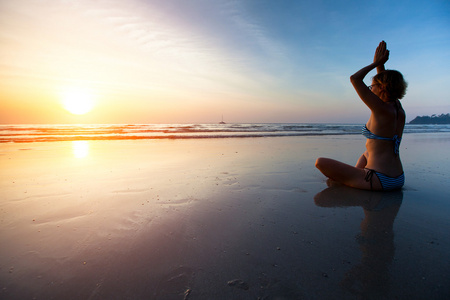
(441, 119)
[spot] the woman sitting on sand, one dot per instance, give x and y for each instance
(379, 168)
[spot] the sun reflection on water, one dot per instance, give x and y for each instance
(80, 149)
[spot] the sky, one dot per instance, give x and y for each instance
(194, 61)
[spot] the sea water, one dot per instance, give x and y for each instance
(48, 133)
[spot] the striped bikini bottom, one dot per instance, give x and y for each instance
(388, 183)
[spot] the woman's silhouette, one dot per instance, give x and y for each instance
(379, 168)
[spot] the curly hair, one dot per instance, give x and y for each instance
(393, 83)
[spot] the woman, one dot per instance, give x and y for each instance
(379, 168)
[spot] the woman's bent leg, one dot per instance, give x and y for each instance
(346, 174)
(362, 161)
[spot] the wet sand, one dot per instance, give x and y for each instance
(219, 219)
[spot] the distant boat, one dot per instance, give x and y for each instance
(222, 122)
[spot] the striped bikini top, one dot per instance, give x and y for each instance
(396, 139)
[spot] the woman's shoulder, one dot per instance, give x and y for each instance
(389, 109)
(382, 121)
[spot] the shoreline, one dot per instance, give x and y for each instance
(59, 133)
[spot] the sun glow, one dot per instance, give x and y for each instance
(80, 149)
(78, 101)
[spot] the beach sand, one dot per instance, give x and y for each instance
(233, 218)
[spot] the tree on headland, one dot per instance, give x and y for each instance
(441, 119)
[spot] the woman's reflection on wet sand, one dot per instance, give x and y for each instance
(369, 278)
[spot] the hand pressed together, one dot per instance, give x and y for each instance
(381, 54)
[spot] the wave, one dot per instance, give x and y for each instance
(49, 133)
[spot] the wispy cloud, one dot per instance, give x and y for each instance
(253, 31)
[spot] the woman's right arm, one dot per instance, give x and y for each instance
(369, 98)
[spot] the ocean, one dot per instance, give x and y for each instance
(50, 133)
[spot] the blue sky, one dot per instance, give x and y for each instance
(171, 61)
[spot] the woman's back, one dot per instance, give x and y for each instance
(383, 139)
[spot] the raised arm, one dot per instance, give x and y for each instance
(369, 98)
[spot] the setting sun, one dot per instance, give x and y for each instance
(78, 101)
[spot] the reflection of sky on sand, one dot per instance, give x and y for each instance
(80, 149)
(155, 219)
(143, 218)
(371, 277)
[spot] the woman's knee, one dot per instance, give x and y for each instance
(318, 162)
(321, 162)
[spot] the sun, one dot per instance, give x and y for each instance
(78, 101)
